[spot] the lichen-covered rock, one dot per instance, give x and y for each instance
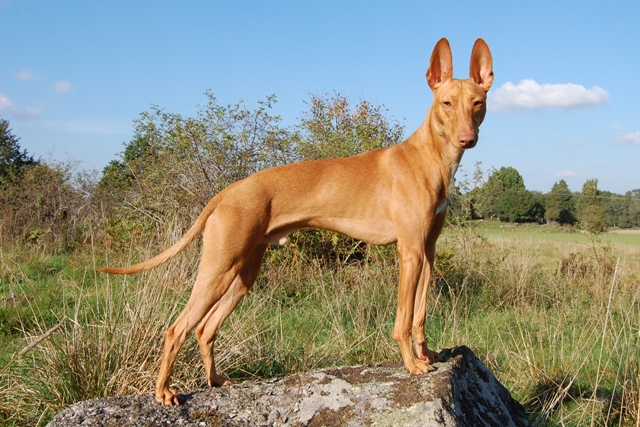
(461, 392)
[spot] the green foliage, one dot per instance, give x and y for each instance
(118, 176)
(12, 159)
(560, 205)
(594, 219)
(464, 203)
(592, 214)
(175, 164)
(623, 211)
(514, 205)
(505, 197)
(331, 128)
(45, 205)
(485, 194)
(510, 178)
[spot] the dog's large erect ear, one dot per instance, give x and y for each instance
(481, 67)
(441, 64)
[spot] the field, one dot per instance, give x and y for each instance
(555, 314)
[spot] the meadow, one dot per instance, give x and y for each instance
(554, 313)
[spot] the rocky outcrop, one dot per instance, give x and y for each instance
(461, 392)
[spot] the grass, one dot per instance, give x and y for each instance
(555, 315)
(549, 234)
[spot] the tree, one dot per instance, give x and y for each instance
(559, 204)
(617, 207)
(12, 158)
(332, 128)
(118, 175)
(623, 210)
(510, 178)
(174, 164)
(594, 219)
(591, 211)
(486, 197)
(634, 207)
(45, 206)
(462, 197)
(505, 196)
(518, 205)
(40, 203)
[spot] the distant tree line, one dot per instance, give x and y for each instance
(174, 164)
(503, 196)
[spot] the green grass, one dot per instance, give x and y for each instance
(554, 314)
(550, 234)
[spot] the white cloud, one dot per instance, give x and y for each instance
(633, 137)
(7, 107)
(567, 173)
(5, 103)
(26, 75)
(62, 86)
(26, 113)
(89, 127)
(531, 95)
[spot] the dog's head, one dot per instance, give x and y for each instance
(459, 106)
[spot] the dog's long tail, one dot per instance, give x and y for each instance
(179, 246)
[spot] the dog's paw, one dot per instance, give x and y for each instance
(167, 397)
(424, 366)
(419, 367)
(423, 353)
(219, 381)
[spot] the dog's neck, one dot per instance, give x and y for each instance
(440, 152)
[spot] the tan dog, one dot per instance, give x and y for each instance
(396, 194)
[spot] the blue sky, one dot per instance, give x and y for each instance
(565, 102)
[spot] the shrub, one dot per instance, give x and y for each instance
(45, 205)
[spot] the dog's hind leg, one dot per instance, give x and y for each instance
(226, 239)
(208, 329)
(202, 299)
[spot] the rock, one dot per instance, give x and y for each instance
(461, 392)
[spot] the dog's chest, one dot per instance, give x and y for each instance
(443, 202)
(442, 206)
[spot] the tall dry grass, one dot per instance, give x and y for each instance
(558, 325)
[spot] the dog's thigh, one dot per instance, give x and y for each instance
(241, 285)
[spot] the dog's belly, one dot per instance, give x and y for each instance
(375, 232)
(369, 231)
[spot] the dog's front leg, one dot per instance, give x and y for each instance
(420, 304)
(412, 259)
(420, 312)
